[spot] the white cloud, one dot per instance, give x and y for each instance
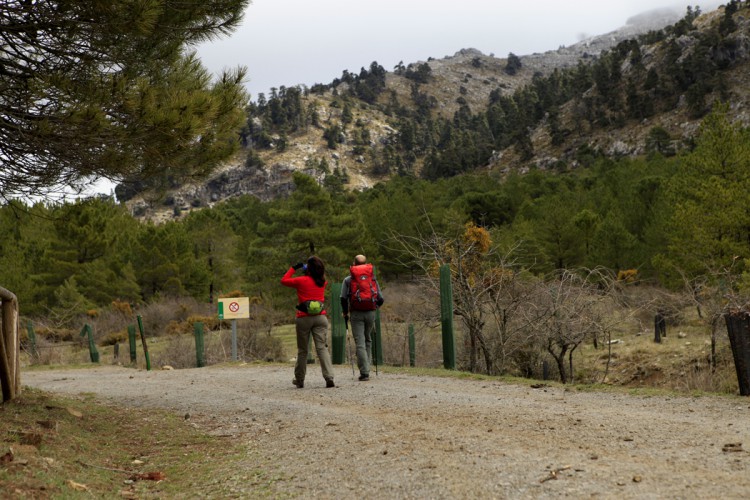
(290, 42)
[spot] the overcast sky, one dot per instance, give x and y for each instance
(291, 42)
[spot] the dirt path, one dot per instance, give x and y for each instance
(403, 436)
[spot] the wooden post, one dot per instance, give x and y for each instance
(660, 326)
(143, 342)
(10, 349)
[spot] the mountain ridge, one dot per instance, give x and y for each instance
(467, 78)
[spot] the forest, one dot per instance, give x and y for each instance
(554, 242)
(671, 222)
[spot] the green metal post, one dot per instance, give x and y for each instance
(377, 344)
(412, 347)
(446, 318)
(92, 346)
(93, 353)
(131, 341)
(199, 348)
(310, 347)
(143, 342)
(32, 339)
(338, 330)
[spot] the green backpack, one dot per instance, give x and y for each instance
(311, 307)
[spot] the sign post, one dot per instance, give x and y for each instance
(234, 308)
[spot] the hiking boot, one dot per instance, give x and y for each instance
(329, 383)
(364, 378)
(300, 384)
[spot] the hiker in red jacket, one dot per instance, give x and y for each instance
(360, 297)
(311, 317)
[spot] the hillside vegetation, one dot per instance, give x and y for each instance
(625, 94)
(546, 257)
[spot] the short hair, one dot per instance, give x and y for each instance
(360, 259)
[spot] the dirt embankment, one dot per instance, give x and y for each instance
(405, 436)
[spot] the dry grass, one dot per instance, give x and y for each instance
(680, 362)
(57, 447)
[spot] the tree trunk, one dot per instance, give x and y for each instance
(560, 360)
(472, 352)
(486, 353)
(570, 364)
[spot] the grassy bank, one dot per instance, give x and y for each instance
(58, 447)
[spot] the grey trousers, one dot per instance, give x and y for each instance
(318, 327)
(363, 328)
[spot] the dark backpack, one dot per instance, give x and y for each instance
(363, 291)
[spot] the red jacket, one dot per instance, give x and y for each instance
(306, 289)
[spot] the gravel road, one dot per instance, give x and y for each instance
(406, 436)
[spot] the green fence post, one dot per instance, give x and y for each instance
(131, 340)
(412, 347)
(93, 353)
(338, 330)
(199, 349)
(32, 339)
(446, 317)
(92, 345)
(377, 344)
(143, 341)
(310, 348)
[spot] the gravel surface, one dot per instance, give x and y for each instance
(406, 436)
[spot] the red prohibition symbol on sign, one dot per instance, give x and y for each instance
(234, 307)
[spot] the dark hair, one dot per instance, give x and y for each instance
(317, 270)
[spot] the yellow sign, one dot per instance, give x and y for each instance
(234, 308)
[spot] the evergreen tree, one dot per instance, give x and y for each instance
(216, 244)
(613, 244)
(308, 222)
(69, 304)
(165, 263)
(513, 64)
(103, 89)
(27, 233)
(711, 224)
(88, 241)
(659, 141)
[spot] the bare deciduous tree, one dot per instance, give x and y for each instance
(476, 276)
(568, 309)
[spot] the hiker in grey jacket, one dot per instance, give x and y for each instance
(359, 301)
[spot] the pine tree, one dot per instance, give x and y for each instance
(711, 223)
(105, 89)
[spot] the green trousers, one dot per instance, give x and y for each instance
(318, 327)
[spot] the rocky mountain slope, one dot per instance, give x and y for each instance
(467, 77)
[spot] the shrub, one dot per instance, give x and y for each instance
(122, 308)
(56, 334)
(628, 275)
(115, 338)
